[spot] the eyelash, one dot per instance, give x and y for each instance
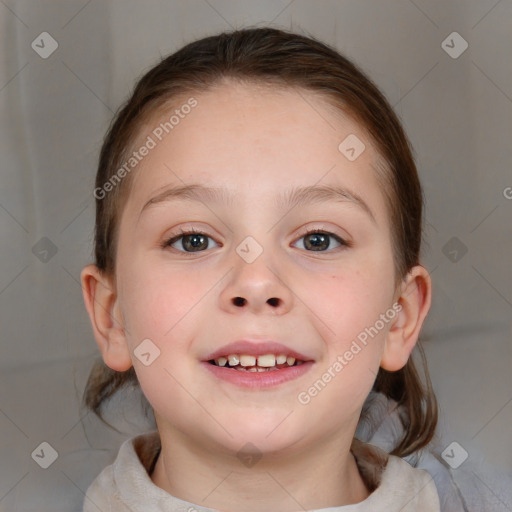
(181, 233)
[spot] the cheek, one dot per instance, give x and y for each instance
(357, 306)
(353, 333)
(160, 306)
(156, 300)
(351, 300)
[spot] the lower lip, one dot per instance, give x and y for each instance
(258, 380)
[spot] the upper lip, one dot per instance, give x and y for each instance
(256, 348)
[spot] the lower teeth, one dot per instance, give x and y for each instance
(255, 369)
(241, 368)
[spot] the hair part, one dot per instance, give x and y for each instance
(277, 58)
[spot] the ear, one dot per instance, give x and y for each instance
(414, 303)
(107, 323)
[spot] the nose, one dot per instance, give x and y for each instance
(257, 288)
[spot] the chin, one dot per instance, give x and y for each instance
(268, 432)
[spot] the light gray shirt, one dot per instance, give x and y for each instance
(126, 485)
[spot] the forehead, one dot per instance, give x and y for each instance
(256, 141)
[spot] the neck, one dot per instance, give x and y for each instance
(326, 476)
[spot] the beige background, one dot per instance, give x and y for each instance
(54, 112)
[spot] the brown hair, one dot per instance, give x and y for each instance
(276, 58)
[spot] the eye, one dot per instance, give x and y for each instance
(190, 241)
(315, 240)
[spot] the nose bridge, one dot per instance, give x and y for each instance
(255, 283)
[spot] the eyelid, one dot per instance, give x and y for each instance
(203, 229)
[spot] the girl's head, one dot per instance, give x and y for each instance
(298, 181)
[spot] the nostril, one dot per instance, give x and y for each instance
(240, 301)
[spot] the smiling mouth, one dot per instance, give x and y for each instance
(250, 363)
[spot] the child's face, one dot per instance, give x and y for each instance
(257, 145)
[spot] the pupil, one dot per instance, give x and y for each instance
(317, 241)
(194, 242)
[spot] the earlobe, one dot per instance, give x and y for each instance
(414, 302)
(107, 324)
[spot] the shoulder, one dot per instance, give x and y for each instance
(394, 484)
(99, 495)
(127, 478)
(415, 488)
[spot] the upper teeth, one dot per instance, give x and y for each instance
(264, 361)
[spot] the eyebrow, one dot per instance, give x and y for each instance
(297, 196)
